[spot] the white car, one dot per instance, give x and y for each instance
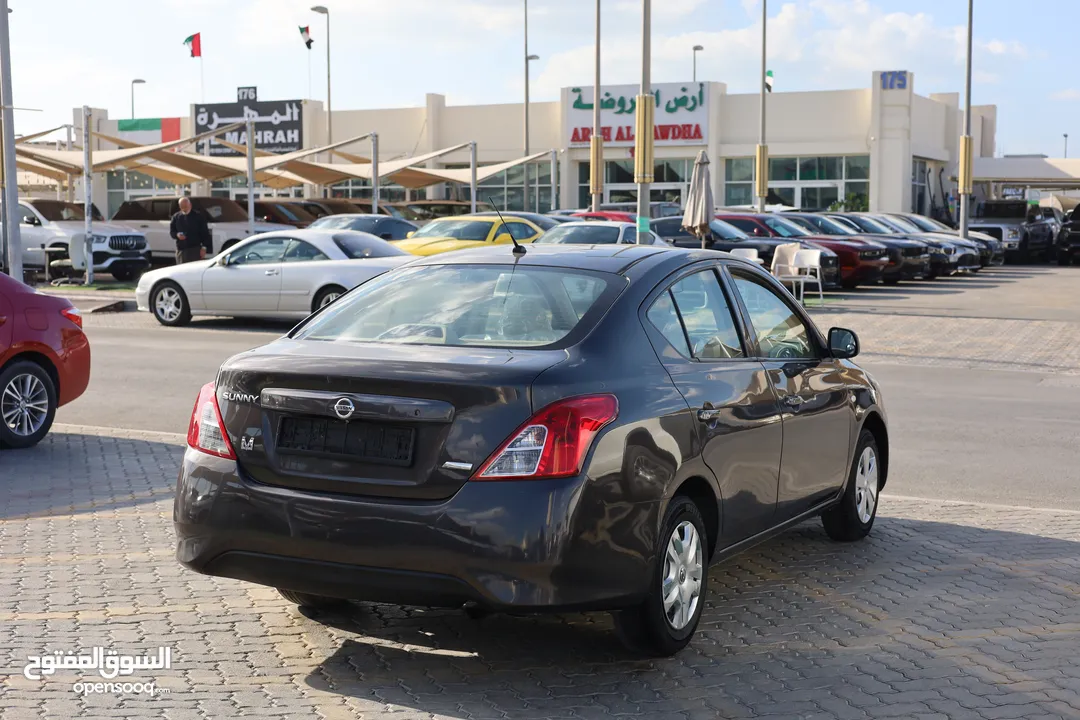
(226, 218)
(597, 232)
(45, 223)
(272, 275)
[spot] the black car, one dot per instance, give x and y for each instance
(908, 259)
(577, 427)
(725, 236)
(943, 256)
(1067, 249)
(991, 250)
(383, 226)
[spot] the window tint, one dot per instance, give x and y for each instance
(518, 230)
(27, 216)
(397, 229)
(707, 317)
(581, 235)
(783, 228)
(726, 230)
(476, 230)
(260, 252)
(130, 210)
(663, 316)
(316, 210)
(670, 227)
(161, 209)
(747, 226)
(466, 305)
(218, 209)
(780, 333)
(300, 251)
(358, 246)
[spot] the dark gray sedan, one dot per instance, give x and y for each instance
(578, 427)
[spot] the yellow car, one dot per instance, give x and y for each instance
(458, 233)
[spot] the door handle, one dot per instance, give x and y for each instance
(270, 272)
(708, 414)
(793, 401)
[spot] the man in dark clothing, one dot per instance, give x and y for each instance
(191, 233)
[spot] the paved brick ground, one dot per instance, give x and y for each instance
(947, 611)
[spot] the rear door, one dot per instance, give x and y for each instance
(7, 322)
(815, 395)
(250, 279)
(691, 322)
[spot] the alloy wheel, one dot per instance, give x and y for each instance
(866, 484)
(168, 304)
(24, 405)
(681, 583)
(329, 298)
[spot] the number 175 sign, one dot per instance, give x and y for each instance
(894, 80)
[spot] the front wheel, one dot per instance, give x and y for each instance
(27, 405)
(170, 305)
(852, 518)
(126, 274)
(327, 295)
(664, 624)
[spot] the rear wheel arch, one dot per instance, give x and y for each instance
(40, 360)
(876, 425)
(704, 496)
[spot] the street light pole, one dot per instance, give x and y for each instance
(528, 58)
(134, 82)
(761, 159)
(1066, 144)
(646, 105)
(11, 183)
(596, 142)
(697, 49)
(323, 10)
(964, 176)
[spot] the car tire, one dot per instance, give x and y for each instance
(1024, 253)
(891, 281)
(852, 517)
(308, 600)
(1063, 260)
(327, 295)
(849, 284)
(124, 274)
(28, 404)
(660, 629)
(170, 305)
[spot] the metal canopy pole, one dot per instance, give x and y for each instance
(472, 176)
(70, 178)
(88, 195)
(643, 151)
(11, 182)
(375, 173)
(964, 179)
(554, 179)
(251, 175)
(761, 159)
(596, 142)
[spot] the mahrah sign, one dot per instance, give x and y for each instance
(681, 116)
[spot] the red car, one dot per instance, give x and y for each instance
(44, 361)
(610, 215)
(862, 262)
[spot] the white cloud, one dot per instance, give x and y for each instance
(1068, 94)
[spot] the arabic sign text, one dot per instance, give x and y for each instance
(682, 113)
(278, 125)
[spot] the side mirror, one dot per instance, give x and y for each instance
(503, 239)
(411, 233)
(32, 221)
(843, 344)
(223, 261)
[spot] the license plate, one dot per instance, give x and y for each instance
(369, 442)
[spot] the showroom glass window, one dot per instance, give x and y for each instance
(672, 175)
(810, 182)
(918, 186)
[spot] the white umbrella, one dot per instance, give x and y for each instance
(699, 201)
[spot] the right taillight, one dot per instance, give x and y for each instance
(206, 431)
(553, 442)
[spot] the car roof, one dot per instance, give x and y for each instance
(602, 258)
(586, 223)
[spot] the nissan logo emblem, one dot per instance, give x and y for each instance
(344, 408)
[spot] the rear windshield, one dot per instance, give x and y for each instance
(467, 305)
(357, 246)
(582, 235)
(1015, 210)
(59, 210)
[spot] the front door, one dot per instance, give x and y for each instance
(816, 401)
(695, 331)
(250, 279)
(32, 236)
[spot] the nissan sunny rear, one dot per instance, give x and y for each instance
(575, 428)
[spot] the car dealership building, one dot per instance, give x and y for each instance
(884, 143)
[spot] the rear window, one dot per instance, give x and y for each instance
(220, 209)
(582, 235)
(457, 229)
(468, 305)
(345, 222)
(358, 246)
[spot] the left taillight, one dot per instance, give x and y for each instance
(552, 443)
(73, 315)
(206, 431)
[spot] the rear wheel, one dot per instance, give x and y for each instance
(664, 624)
(170, 305)
(327, 295)
(852, 518)
(308, 600)
(27, 404)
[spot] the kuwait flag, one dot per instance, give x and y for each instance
(768, 80)
(305, 32)
(194, 44)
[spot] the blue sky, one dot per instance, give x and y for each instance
(388, 53)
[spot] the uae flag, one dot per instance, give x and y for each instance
(194, 44)
(768, 80)
(305, 32)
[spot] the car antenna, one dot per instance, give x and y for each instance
(518, 249)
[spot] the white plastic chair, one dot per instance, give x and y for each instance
(750, 254)
(808, 264)
(783, 267)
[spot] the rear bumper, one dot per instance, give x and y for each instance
(549, 545)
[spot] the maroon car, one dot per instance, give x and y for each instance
(44, 361)
(862, 262)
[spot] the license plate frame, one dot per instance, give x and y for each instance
(355, 440)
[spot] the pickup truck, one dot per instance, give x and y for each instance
(1025, 232)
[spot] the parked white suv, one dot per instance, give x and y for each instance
(45, 223)
(227, 219)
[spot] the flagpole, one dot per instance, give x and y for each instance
(202, 80)
(309, 73)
